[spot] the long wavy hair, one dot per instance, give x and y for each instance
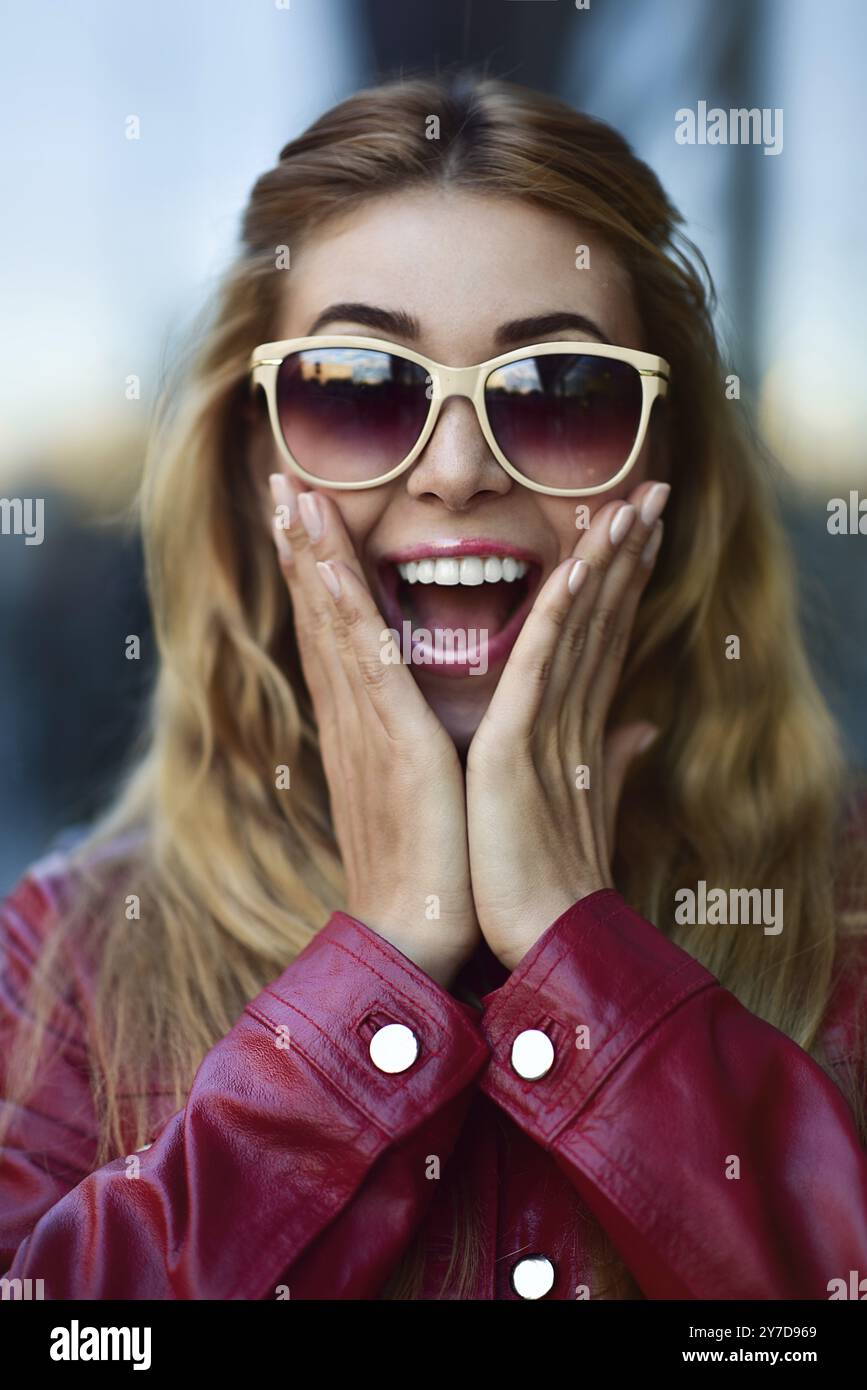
(747, 785)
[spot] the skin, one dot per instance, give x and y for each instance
(480, 770)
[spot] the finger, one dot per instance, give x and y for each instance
(606, 678)
(312, 615)
(366, 641)
(542, 662)
(370, 658)
(554, 650)
(608, 632)
(517, 699)
(341, 612)
(594, 552)
(612, 547)
(564, 621)
(322, 537)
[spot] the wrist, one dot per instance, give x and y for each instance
(426, 949)
(511, 945)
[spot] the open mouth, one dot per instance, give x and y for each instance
(460, 603)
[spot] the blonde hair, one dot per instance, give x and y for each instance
(747, 784)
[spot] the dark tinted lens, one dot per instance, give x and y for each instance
(565, 419)
(350, 414)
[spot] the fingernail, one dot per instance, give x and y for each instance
(648, 554)
(282, 542)
(329, 576)
(312, 518)
(650, 737)
(623, 519)
(577, 575)
(654, 503)
(283, 496)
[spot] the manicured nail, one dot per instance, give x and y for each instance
(648, 554)
(281, 540)
(329, 576)
(577, 574)
(654, 503)
(282, 496)
(623, 519)
(312, 518)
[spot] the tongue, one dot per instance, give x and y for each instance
(483, 606)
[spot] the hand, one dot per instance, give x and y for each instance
(396, 784)
(539, 842)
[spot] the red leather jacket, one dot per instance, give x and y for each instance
(298, 1161)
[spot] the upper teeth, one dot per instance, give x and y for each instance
(464, 569)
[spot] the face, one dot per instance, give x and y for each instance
(458, 268)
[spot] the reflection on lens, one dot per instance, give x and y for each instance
(565, 419)
(350, 414)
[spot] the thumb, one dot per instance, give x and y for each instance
(621, 748)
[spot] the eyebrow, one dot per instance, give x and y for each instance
(394, 321)
(540, 325)
(403, 325)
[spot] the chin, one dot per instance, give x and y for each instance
(459, 705)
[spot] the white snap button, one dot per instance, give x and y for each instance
(533, 1277)
(532, 1054)
(394, 1048)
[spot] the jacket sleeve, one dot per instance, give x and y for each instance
(295, 1161)
(721, 1159)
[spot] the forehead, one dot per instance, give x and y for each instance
(461, 264)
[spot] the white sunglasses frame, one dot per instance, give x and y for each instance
(266, 360)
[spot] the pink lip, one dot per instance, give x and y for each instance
(502, 642)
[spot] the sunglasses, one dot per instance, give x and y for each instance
(564, 418)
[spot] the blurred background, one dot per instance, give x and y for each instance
(110, 246)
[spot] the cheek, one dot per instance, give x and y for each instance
(360, 513)
(570, 517)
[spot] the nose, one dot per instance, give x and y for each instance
(456, 466)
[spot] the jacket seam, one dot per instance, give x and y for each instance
(410, 999)
(506, 1006)
(645, 1020)
(614, 1063)
(632, 1209)
(455, 1024)
(429, 1052)
(534, 1103)
(642, 1017)
(326, 1076)
(417, 1113)
(398, 988)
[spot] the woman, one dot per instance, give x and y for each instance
(380, 978)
